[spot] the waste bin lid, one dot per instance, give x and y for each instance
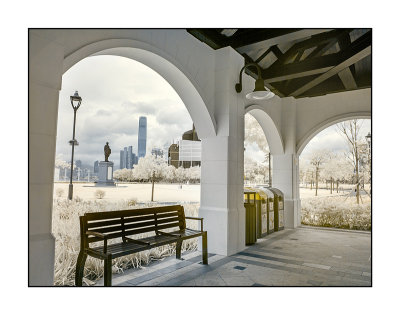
(267, 191)
(277, 191)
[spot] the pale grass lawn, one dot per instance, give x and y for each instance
(65, 228)
(127, 191)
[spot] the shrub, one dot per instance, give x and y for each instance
(337, 212)
(99, 194)
(59, 192)
(132, 202)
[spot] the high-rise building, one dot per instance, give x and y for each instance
(121, 159)
(129, 161)
(127, 158)
(142, 136)
(96, 167)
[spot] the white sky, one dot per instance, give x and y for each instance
(328, 139)
(115, 91)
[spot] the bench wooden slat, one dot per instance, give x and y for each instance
(126, 227)
(90, 216)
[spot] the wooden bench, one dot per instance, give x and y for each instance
(148, 225)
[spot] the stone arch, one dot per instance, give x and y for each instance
(169, 68)
(327, 123)
(271, 132)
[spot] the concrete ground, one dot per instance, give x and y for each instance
(304, 256)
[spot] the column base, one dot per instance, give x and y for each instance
(292, 213)
(41, 259)
(225, 228)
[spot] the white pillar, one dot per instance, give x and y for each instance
(45, 73)
(286, 166)
(221, 201)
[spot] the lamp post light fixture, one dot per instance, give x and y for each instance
(260, 92)
(76, 101)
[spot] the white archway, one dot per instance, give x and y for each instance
(269, 128)
(164, 65)
(327, 123)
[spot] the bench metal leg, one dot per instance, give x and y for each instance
(204, 247)
(178, 249)
(107, 271)
(80, 266)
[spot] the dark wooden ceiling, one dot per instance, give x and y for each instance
(301, 62)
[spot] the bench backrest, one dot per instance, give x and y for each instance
(121, 223)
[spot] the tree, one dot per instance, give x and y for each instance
(318, 158)
(350, 130)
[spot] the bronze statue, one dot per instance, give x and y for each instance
(107, 151)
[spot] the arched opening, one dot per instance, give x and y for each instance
(335, 174)
(164, 65)
(257, 155)
(190, 98)
(269, 128)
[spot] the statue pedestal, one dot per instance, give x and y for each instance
(105, 174)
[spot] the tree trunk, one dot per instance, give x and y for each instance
(316, 182)
(357, 179)
(331, 184)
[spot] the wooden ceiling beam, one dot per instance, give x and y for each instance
(358, 50)
(327, 38)
(280, 72)
(257, 35)
(347, 79)
(211, 37)
(263, 55)
(290, 36)
(307, 67)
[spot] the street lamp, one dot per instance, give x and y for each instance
(260, 92)
(368, 138)
(75, 103)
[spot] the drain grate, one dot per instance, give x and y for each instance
(239, 267)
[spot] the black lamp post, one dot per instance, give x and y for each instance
(75, 103)
(368, 137)
(260, 92)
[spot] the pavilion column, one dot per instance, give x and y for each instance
(45, 74)
(285, 175)
(221, 201)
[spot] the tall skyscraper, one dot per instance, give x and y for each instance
(121, 159)
(142, 136)
(129, 158)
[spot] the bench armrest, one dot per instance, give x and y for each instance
(199, 219)
(100, 235)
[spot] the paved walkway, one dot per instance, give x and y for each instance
(292, 257)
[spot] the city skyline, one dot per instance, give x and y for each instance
(115, 92)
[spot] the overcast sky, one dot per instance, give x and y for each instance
(328, 139)
(115, 92)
